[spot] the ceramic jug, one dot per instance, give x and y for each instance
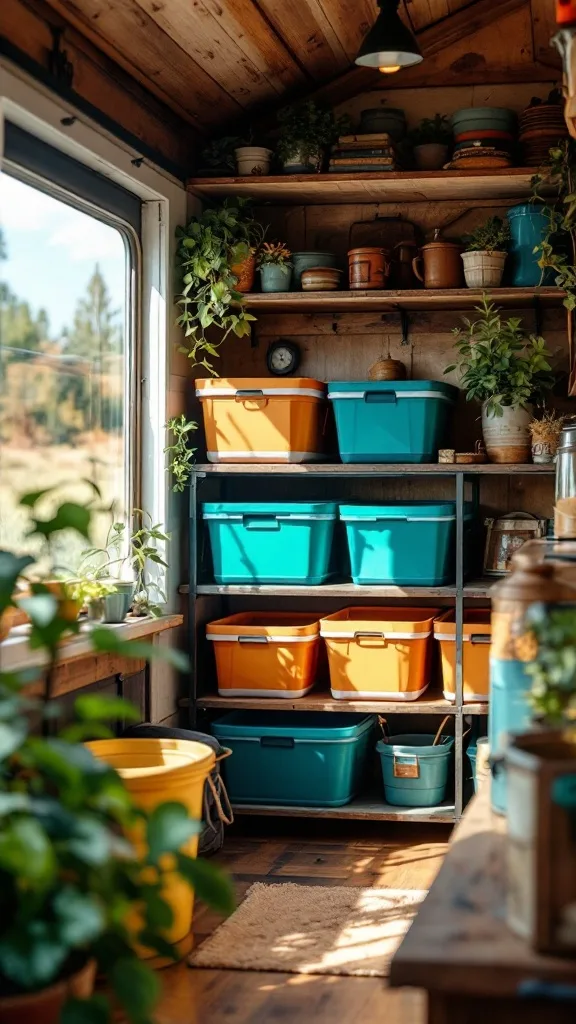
(442, 264)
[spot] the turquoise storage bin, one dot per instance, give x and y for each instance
(528, 225)
(295, 759)
(471, 752)
(271, 542)
(409, 544)
(415, 773)
(392, 421)
(510, 711)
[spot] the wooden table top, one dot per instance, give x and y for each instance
(459, 942)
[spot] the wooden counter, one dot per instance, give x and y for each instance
(461, 952)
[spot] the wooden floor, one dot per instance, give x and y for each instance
(396, 856)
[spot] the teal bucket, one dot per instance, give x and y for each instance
(528, 226)
(291, 759)
(392, 421)
(414, 771)
(271, 542)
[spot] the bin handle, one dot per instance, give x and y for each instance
(249, 393)
(277, 741)
(253, 639)
(384, 397)
(371, 635)
(256, 522)
(480, 638)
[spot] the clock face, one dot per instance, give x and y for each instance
(283, 358)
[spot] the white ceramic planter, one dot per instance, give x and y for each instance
(507, 437)
(253, 160)
(483, 269)
(431, 156)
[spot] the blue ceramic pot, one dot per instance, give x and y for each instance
(307, 261)
(528, 225)
(275, 278)
(117, 605)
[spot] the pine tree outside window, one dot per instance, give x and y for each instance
(67, 356)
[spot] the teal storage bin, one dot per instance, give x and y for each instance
(471, 752)
(393, 420)
(271, 542)
(311, 760)
(408, 544)
(414, 772)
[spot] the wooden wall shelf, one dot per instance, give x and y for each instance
(347, 591)
(379, 187)
(379, 469)
(319, 701)
(392, 301)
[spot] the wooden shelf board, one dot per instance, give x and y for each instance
(392, 301)
(362, 808)
(323, 701)
(377, 187)
(378, 469)
(473, 589)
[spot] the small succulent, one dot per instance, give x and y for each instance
(274, 254)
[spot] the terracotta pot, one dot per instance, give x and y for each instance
(369, 267)
(68, 608)
(442, 265)
(431, 156)
(507, 437)
(45, 1007)
(245, 272)
(320, 279)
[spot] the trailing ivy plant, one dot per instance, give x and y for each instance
(180, 452)
(558, 176)
(553, 668)
(208, 248)
(74, 888)
(498, 364)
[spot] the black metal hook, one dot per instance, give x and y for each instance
(405, 325)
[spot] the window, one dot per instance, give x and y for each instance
(69, 268)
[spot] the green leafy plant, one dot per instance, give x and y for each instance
(219, 154)
(492, 236)
(305, 128)
(498, 364)
(74, 887)
(180, 452)
(274, 254)
(134, 549)
(559, 178)
(208, 248)
(553, 667)
(432, 129)
(87, 589)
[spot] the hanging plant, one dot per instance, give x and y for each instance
(181, 454)
(208, 248)
(559, 177)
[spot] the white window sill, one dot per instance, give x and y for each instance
(15, 651)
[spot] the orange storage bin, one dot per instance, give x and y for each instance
(265, 654)
(379, 653)
(476, 640)
(262, 419)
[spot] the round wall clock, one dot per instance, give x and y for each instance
(283, 357)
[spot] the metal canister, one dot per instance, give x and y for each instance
(565, 506)
(513, 648)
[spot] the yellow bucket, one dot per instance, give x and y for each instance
(154, 771)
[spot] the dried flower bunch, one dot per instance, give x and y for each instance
(546, 429)
(274, 254)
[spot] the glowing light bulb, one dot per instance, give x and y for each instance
(390, 70)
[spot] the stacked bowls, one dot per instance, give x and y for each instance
(484, 137)
(382, 120)
(541, 126)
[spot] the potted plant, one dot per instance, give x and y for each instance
(274, 264)
(90, 593)
(506, 371)
(180, 452)
(431, 141)
(252, 159)
(79, 896)
(218, 158)
(305, 130)
(485, 252)
(214, 251)
(545, 433)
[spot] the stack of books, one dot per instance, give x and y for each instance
(372, 152)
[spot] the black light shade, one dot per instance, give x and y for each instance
(389, 44)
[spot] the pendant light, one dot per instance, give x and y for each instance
(389, 45)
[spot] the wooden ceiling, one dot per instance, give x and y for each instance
(217, 63)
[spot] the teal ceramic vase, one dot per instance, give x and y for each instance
(528, 225)
(117, 605)
(275, 278)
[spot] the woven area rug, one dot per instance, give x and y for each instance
(312, 929)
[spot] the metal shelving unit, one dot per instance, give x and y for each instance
(365, 807)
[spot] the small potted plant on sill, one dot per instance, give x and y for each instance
(507, 372)
(274, 264)
(485, 253)
(545, 433)
(431, 141)
(306, 129)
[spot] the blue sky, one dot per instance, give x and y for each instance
(52, 250)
